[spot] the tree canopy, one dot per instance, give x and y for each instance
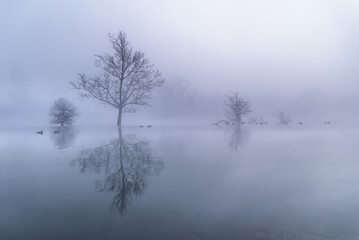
(126, 80)
(63, 112)
(236, 107)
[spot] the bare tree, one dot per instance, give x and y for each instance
(126, 81)
(63, 112)
(236, 107)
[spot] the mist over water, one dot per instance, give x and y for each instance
(175, 182)
(246, 126)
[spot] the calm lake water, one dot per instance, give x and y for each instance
(254, 182)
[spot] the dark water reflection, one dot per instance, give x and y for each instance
(64, 138)
(180, 183)
(236, 135)
(125, 163)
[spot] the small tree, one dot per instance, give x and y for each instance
(126, 81)
(236, 107)
(63, 112)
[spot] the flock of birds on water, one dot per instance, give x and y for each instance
(225, 122)
(217, 123)
(58, 131)
(42, 132)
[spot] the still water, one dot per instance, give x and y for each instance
(252, 182)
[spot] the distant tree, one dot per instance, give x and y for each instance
(126, 81)
(236, 107)
(63, 112)
(180, 93)
(283, 118)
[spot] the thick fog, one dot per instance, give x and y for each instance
(299, 57)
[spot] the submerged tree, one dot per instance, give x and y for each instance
(126, 81)
(236, 107)
(63, 112)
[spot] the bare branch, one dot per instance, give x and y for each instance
(127, 78)
(236, 107)
(63, 112)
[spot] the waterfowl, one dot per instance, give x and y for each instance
(41, 132)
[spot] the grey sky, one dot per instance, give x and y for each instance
(279, 54)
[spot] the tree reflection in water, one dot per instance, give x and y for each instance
(127, 165)
(237, 135)
(64, 138)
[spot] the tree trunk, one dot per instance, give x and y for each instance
(119, 118)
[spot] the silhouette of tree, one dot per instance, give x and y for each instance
(63, 112)
(236, 107)
(127, 79)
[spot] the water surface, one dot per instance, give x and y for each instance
(252, 182)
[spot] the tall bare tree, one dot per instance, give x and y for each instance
(236, 107)
(126, 80)
(63, 112)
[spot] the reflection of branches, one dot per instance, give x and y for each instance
(64, 138)
(236, 137)
(126, 165)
